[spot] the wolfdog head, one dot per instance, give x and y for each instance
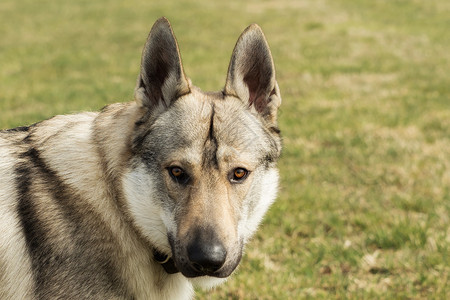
(203, 171)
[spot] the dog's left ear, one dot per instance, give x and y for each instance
(251, 74)
(162, 78)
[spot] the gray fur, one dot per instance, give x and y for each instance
(86, 200)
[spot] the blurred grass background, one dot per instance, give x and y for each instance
(364, 205)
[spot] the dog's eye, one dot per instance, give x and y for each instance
(176, 172)
(239, 175)
(179, 175)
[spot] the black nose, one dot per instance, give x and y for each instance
(206, 257)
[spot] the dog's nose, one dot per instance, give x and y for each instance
(206, 258)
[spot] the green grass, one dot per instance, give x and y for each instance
(364, 205)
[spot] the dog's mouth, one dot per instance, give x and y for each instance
(168, 264)
(192, 270)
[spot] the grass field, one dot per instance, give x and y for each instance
(364, 205)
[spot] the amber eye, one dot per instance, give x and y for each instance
(239, 174)
(178, 175)
(177, 172)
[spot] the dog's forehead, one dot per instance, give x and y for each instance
(201, 120)
(224, 119)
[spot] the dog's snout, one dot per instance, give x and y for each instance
(206, 257)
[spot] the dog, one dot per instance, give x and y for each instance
(148, 199)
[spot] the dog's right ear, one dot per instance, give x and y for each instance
(161, 79)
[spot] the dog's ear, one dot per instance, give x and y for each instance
(161, 79)
(251, 74)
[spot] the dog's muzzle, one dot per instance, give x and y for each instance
(202, 253)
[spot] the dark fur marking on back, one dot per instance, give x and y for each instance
(275, 130)
(33, 229)
(84, 271)
(21, 128)
(18, 129)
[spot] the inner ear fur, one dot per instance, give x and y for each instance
(161, 79)
(251, 74)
